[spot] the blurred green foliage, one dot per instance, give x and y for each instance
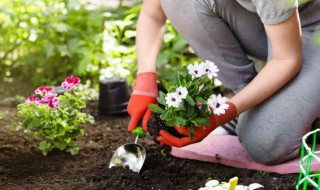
(43, 41)
(48, 40)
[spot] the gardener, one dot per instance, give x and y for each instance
(277, 105)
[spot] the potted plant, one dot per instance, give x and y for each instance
(54, 119)
(187, 101)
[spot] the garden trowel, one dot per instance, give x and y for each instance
(131, 155)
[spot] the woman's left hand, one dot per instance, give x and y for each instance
(166, 138)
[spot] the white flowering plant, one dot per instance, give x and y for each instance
(54, 119)
(189, 100)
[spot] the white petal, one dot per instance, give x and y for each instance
(255, 186)
(217, 188)
(212, 183)
(241, 187)
(225, 185)
(217, 82)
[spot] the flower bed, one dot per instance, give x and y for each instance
(24, 167)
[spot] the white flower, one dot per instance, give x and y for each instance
(173, 100)
(218, 104)
(196, 70)
(182, 92)
(212, 183)
(217, 82)
(241, 187)
(210, 69)
(254, 186)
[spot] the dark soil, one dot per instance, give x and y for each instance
(155, 124)
(22, 165)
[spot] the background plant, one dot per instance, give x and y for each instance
(55, 120)
(119, 45)
(50, 39)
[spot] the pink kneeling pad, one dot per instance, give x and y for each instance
(227, 150)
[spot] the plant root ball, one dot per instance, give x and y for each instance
(155, 124)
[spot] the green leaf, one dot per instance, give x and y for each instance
(63, 50)
(200, 121)
(61, 145)
(49, 50)
(201, 100)
(61, 27)
(179, 121)
(162, 59)
(82, 132)
(161, 100)
(190, 100)
(44, 147)
(82, 67)
(162, 94)
(182, 107)
(67, 140)
(177, 77)
(191, 133)
(38, 113)
(179, 44)
(165, 115)
(190, 110)
(176, 122)
(155, 108)
(15, 127)
(183, 114)
(170, 122)
(73, 150)
(73, 45)
(165, 85)
(34, 123)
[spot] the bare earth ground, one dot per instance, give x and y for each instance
(22, 165)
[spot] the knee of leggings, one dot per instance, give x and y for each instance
(269, 155)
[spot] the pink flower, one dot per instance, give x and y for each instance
(34, 99)
(43, 89)
(199, 105)
(71, 83)
(54, 102)
(48, 97)
(51, 100)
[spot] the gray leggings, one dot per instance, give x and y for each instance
(224, 32)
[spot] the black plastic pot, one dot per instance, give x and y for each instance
(114, 96)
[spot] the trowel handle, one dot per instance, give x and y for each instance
(138, 131)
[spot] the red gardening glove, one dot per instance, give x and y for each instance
(145, 92)
(199, 133)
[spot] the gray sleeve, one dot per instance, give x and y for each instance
(275, 11)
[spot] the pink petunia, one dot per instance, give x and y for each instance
(71, 83)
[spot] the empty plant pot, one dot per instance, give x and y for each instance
(114, 96)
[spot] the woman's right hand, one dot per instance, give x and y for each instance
(150, 32)
(145, 92)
